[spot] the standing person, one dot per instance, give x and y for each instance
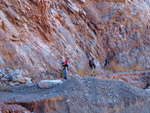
(65, 69)
(107, 62)
(92, 65)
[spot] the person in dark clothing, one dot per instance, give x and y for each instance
(65, 69)
(107, 62)
(92, 65)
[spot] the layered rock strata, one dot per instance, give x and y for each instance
(36, 35)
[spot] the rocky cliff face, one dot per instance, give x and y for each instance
(36, 35)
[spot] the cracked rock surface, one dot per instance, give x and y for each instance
(37, 35)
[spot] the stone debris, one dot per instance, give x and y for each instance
(103, 96)
(13, 78)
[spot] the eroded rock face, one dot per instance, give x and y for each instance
(82, 95)
(36, 35)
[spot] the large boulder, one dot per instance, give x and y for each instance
(12, 109)
(49, 83)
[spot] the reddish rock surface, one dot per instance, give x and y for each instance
(12, 109)
(35, 35)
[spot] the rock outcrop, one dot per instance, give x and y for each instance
(139, 79)
(81, 95)
(36, 35)
(12, 78)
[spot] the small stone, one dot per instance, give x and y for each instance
(68, 100)
(86, 94)
(147, 89)
(83, 1)
(18, 78)
(11, 84)
(16, 83)
(4, 79)
(28, 82)
(10, 71)
(1, 75)
(27, 78)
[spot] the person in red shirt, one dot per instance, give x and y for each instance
(65, 70)
(66, 61)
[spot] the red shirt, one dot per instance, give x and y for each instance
(66, 62)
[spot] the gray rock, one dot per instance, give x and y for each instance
(49, 83)
(11, 83)
(83, 1)
(28, 82)
(18, 78)
(4, 79)
(28, 79)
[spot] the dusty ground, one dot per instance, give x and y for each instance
(81, 95)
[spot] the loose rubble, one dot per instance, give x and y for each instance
(11, 77)
(81, 95)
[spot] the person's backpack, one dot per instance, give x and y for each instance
(91, 63)
(107, 60)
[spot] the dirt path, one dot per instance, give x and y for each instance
(80, 94)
